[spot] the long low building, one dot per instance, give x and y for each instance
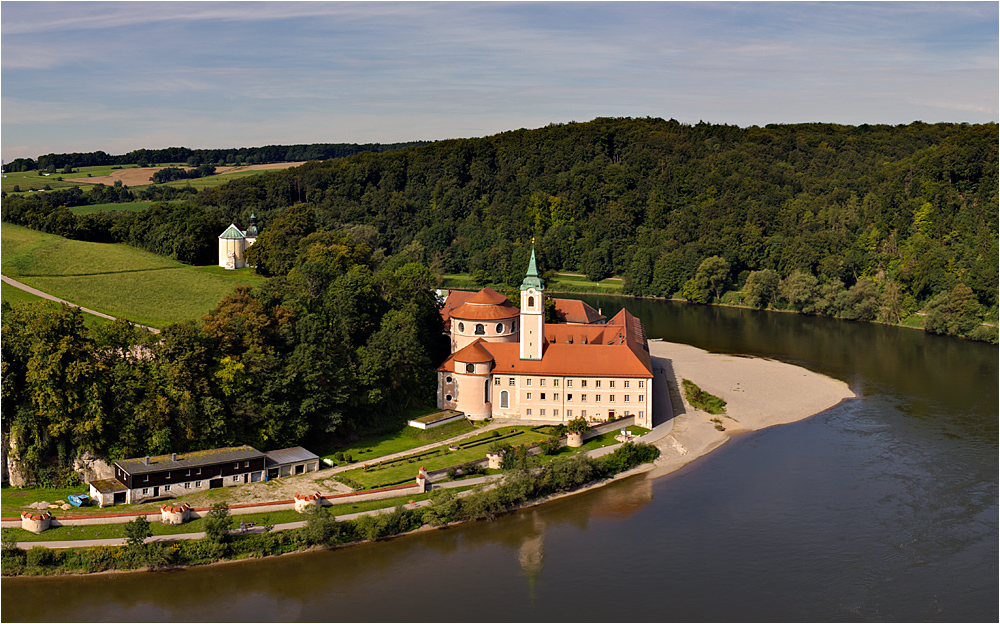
(165, 476)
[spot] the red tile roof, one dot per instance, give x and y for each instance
(485, 305)
(617, 349)
(576, 311)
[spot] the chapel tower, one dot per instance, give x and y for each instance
(532, 313)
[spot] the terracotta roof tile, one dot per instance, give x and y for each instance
(576, 311)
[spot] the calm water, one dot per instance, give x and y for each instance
(882, 508)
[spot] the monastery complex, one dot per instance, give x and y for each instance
(509, 363)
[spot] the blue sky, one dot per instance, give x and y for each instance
(82, 76)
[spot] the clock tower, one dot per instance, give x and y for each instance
(532, 313)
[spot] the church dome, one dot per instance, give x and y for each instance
(486, 305)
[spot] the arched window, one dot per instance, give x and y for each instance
(531, 302)
(504, 400)
(480, 329)
(461, 327)
(499, 328)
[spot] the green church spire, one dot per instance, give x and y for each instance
(531, 280)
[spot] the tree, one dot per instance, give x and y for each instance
(761, 288)
(713, 274)
(322, 529)
(218, 523)
(137, 531)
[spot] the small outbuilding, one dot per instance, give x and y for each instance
(290, 461)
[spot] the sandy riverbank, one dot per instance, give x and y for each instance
(759, 393)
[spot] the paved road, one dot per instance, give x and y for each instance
(38, 293)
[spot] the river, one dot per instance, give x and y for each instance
(884, 507)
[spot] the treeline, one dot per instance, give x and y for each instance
(912, 209)
(196, 157)
(185, 232)
(169, 174)
(344, 343)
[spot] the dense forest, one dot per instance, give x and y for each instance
(196, 157)
(866, 222)
(344, 344)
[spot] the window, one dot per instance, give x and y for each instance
(531, 302)
(598, 398)
(470, 368)
(541, 382)
(168, 475)
(246, 464)
(612, 398)
(642, 398)
(513, 326)
(626, 383)
(569, 413)
(555, 396)
(627, 398)
(504, 400)
(527, 381)
(188, 473)
(199, 471)
(499, 328)
(569, 397)
(480, 329)
(166, 488)
(555, 412)
(447, 397)
(496, 381)
(510, 381)
(197, 483)
(527, 412)
(528, 396)
(642, 383)
(447, 379)
(146, 478)
(461, 327)
(543, 396)
(583, 383)
(583, 397)
(611, 384)
(555, 383)
(583, 413)
(236, 478)
(145, 491)
(541, 412)
(236, 466)
(597, 383)
(187, 485)
(640, 415)
(569, 383)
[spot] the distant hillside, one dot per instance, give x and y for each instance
(196, 157)
(912, 208)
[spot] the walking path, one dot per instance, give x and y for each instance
(38, 293)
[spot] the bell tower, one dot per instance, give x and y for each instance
(532, 312)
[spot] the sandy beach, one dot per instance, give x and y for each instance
(759, 393)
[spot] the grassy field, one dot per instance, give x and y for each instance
(14, 295)
(27, 180)
(563, 282)
(130, 207)
(405, 468)
(116, 279)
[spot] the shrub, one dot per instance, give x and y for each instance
(218, 523)
(702, 400)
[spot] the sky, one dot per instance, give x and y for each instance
(118, 76)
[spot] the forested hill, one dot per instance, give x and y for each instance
(196, 157)
(911, 209)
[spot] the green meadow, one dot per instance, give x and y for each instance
(116, 279)
(129, 207)
(561, 282)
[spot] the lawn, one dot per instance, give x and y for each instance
(403, 440)
(117, 279)
(112, 531)
(405, 468)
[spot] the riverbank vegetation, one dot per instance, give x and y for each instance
(524, 482)
(702, 400)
